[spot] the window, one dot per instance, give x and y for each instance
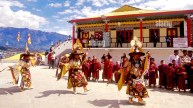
(125, 35)
(85, 39)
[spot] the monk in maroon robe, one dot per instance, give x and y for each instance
(175, 77)
(96, 68)
(191, 75)
(162, 73)
(86, 69)
(110, 71)
(116, 73)
(152, 72)
(169, 72)
(181, 77)
(90, 68)
(105, 69)
(189, 69)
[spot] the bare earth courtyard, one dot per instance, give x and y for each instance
(49, 93)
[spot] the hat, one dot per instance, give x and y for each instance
(136, 47)
(25, 55)
(77, 48)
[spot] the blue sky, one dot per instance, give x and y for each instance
(52, 15)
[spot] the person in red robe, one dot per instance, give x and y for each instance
(191, 75)
(49, 59)
(181, 77)
(105, 69)
(169, 72)
(175, 66)
(90, 68)
(123, 58)
(189, 70)
(86, 69)
(162, 73)
(96, 68)
(152, 72)
(117, 75)
(110, 71)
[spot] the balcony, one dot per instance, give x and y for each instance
(147, 43)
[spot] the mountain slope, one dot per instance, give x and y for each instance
(40, 40)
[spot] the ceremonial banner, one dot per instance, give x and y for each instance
(18, 36)
(106, 40)
(29, 39)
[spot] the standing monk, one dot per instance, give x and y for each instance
(189, 69)
(162, 73)
(181, 77)
(86, 69)
(90, 68)
(152, 72)
(105, 69)
(96, 68)
(191, 75)
(110, 70)
(115, 71)
(169, 72)
(175, 66)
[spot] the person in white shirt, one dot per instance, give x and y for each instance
(185, 58)
(175, 57)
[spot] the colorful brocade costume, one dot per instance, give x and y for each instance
(135, 85)
(135, 73)
(76, 77)
(21, 74)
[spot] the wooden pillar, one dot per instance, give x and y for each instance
(188, 20)
(141, 29)
(106, 26)
(73, 34)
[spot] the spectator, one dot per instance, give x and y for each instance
(168, 41)
(122, 59)
(116, 68)
(119, 40)
(1, 57)
(175, 57)
(53, 60)
(109, 56)
(162, 73)
(152, 72)
(49, 59)
(190, 54)
(155, 39)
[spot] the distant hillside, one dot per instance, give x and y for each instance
(40, 40)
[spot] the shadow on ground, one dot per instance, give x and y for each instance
(161, 90)
(57, 92)
(112, 103)
(10, 90)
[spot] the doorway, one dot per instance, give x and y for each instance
(172, 33)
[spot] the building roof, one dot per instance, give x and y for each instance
(126, 8)
(127, 11)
